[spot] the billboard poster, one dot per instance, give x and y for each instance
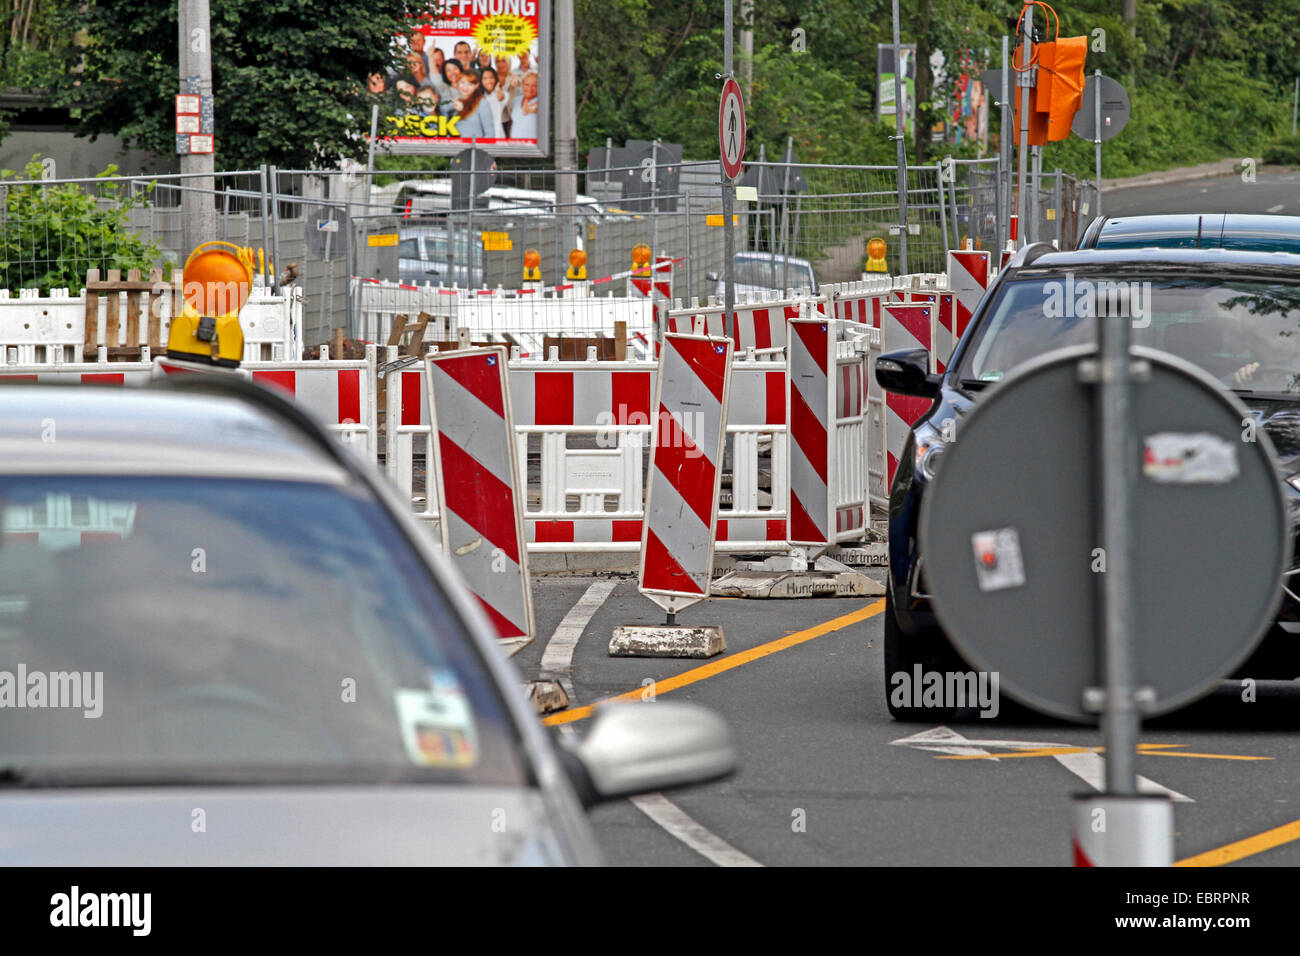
(885, 90)
(470, 72)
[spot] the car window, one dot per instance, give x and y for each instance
(1245, 333)
(204, 629)
(771, 273)
(408, 249)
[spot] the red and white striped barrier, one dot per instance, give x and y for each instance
(968, 278)
(476, 481)
(756, 422)
(685, 470)
(906, 326)
(812, 419)
(339, 394)
(759, 323)
(589, 499)
(851, 431)
(944, 335)
(657, 286)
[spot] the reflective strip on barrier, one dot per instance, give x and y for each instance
(906, 327)
(968, 277)
(685, 470)
(477, 487)
(812, 417)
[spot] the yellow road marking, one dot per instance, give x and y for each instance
(1247, 847)
(1152, 750)
(721, 665)
(1040, 752)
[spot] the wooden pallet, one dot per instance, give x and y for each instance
(153, 292)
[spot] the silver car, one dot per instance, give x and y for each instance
(224, 640)
(760, 272)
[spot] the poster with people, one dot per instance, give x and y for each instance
(470, 72)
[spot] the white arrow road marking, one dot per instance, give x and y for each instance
(675, 820)
(1086, 765)
(557, 659)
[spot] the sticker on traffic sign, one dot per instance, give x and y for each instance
(998, 562)
(731, 129)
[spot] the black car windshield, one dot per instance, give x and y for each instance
(1246, 332)
(194, 630)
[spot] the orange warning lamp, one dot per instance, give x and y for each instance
(876, 250)
(216, 282)
(577, 266)
(641, 259)
(532, 265)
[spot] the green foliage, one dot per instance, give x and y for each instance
(50, 235)
(288, 76)
(1283, 151)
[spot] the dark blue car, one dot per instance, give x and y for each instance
(1235, 314)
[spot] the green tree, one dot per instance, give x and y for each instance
(288, 75)
(50, 235)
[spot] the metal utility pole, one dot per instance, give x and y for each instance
(728, 191)
(747, 45)
(566, 111)
(1295, 105)
(902, 146)
(198, 208)
(1025, 79)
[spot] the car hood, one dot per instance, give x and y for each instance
(415, 825)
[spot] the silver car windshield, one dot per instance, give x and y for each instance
(1244, 333)
(201, 630)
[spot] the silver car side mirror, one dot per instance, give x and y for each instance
(640, 748)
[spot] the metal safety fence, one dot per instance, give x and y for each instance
(331, 232)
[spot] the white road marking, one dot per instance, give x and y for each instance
(1088, 767)
(1278, 208)
(557, 658)
(673, 819)
(1091, 769)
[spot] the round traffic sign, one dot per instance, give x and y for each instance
(1010, 533)
(731, 129)
(1115, 109)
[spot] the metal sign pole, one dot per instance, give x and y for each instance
(728, 193)
(1025, 80)
(1096, 136)
(1005, 152)
(1120, 720)
(899, 104)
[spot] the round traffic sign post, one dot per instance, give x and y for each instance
(1107, 542)
(731, 152)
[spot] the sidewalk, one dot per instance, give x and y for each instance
(1162, 177)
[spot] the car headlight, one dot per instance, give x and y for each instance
(1293, 485)
(929, 448)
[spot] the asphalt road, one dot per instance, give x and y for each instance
(825, 779)
(828, 777)
(1273, 191)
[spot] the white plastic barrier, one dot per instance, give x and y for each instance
(42, 330)
(582, 429)
(522, 318)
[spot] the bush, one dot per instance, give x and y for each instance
(1283, 151)
(50, 235)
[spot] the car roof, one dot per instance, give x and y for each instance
(1201, 230)
(1191, 260)
(86, 429)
